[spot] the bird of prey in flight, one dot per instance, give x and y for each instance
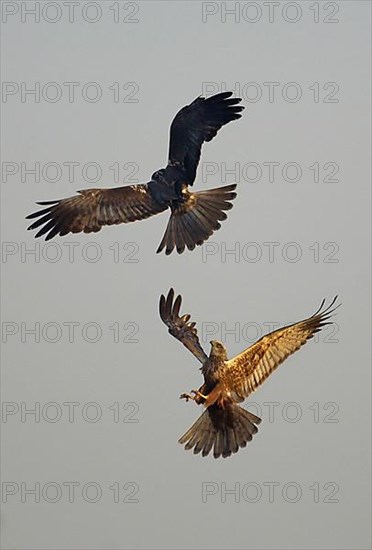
(224, 425)
(194, 215)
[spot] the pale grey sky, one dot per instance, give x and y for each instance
(106, 93)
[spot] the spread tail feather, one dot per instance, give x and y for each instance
(195, 219)
(223, 429)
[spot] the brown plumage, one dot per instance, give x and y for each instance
(94, 208)
(224, 426)
(194, 215)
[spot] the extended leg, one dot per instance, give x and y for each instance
(197, 394)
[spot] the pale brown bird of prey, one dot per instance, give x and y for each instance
(224, 425)
(194, 216)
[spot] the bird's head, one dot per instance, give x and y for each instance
(158, 175)
(218, 350)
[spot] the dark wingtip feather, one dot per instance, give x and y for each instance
(38, 213)
(329, 310)
(45, 203)
(169, 300)
(177, 306)
(162, 308)
(221, 95)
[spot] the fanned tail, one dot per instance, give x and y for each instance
(223, 429)
(194, 219)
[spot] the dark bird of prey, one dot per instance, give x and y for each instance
(194, 216)
(225, 426)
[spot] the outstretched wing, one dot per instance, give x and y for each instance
(94, 208)
(248, 370)
(196, 123)
(180, 327)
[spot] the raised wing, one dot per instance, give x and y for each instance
(196, 123)
(180, 327)
(245, 372)
(94, 208)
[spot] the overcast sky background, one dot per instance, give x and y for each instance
(321, 230)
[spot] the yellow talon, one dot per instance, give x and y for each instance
(197, 393)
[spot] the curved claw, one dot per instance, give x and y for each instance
(197, 395)
(186, 396)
